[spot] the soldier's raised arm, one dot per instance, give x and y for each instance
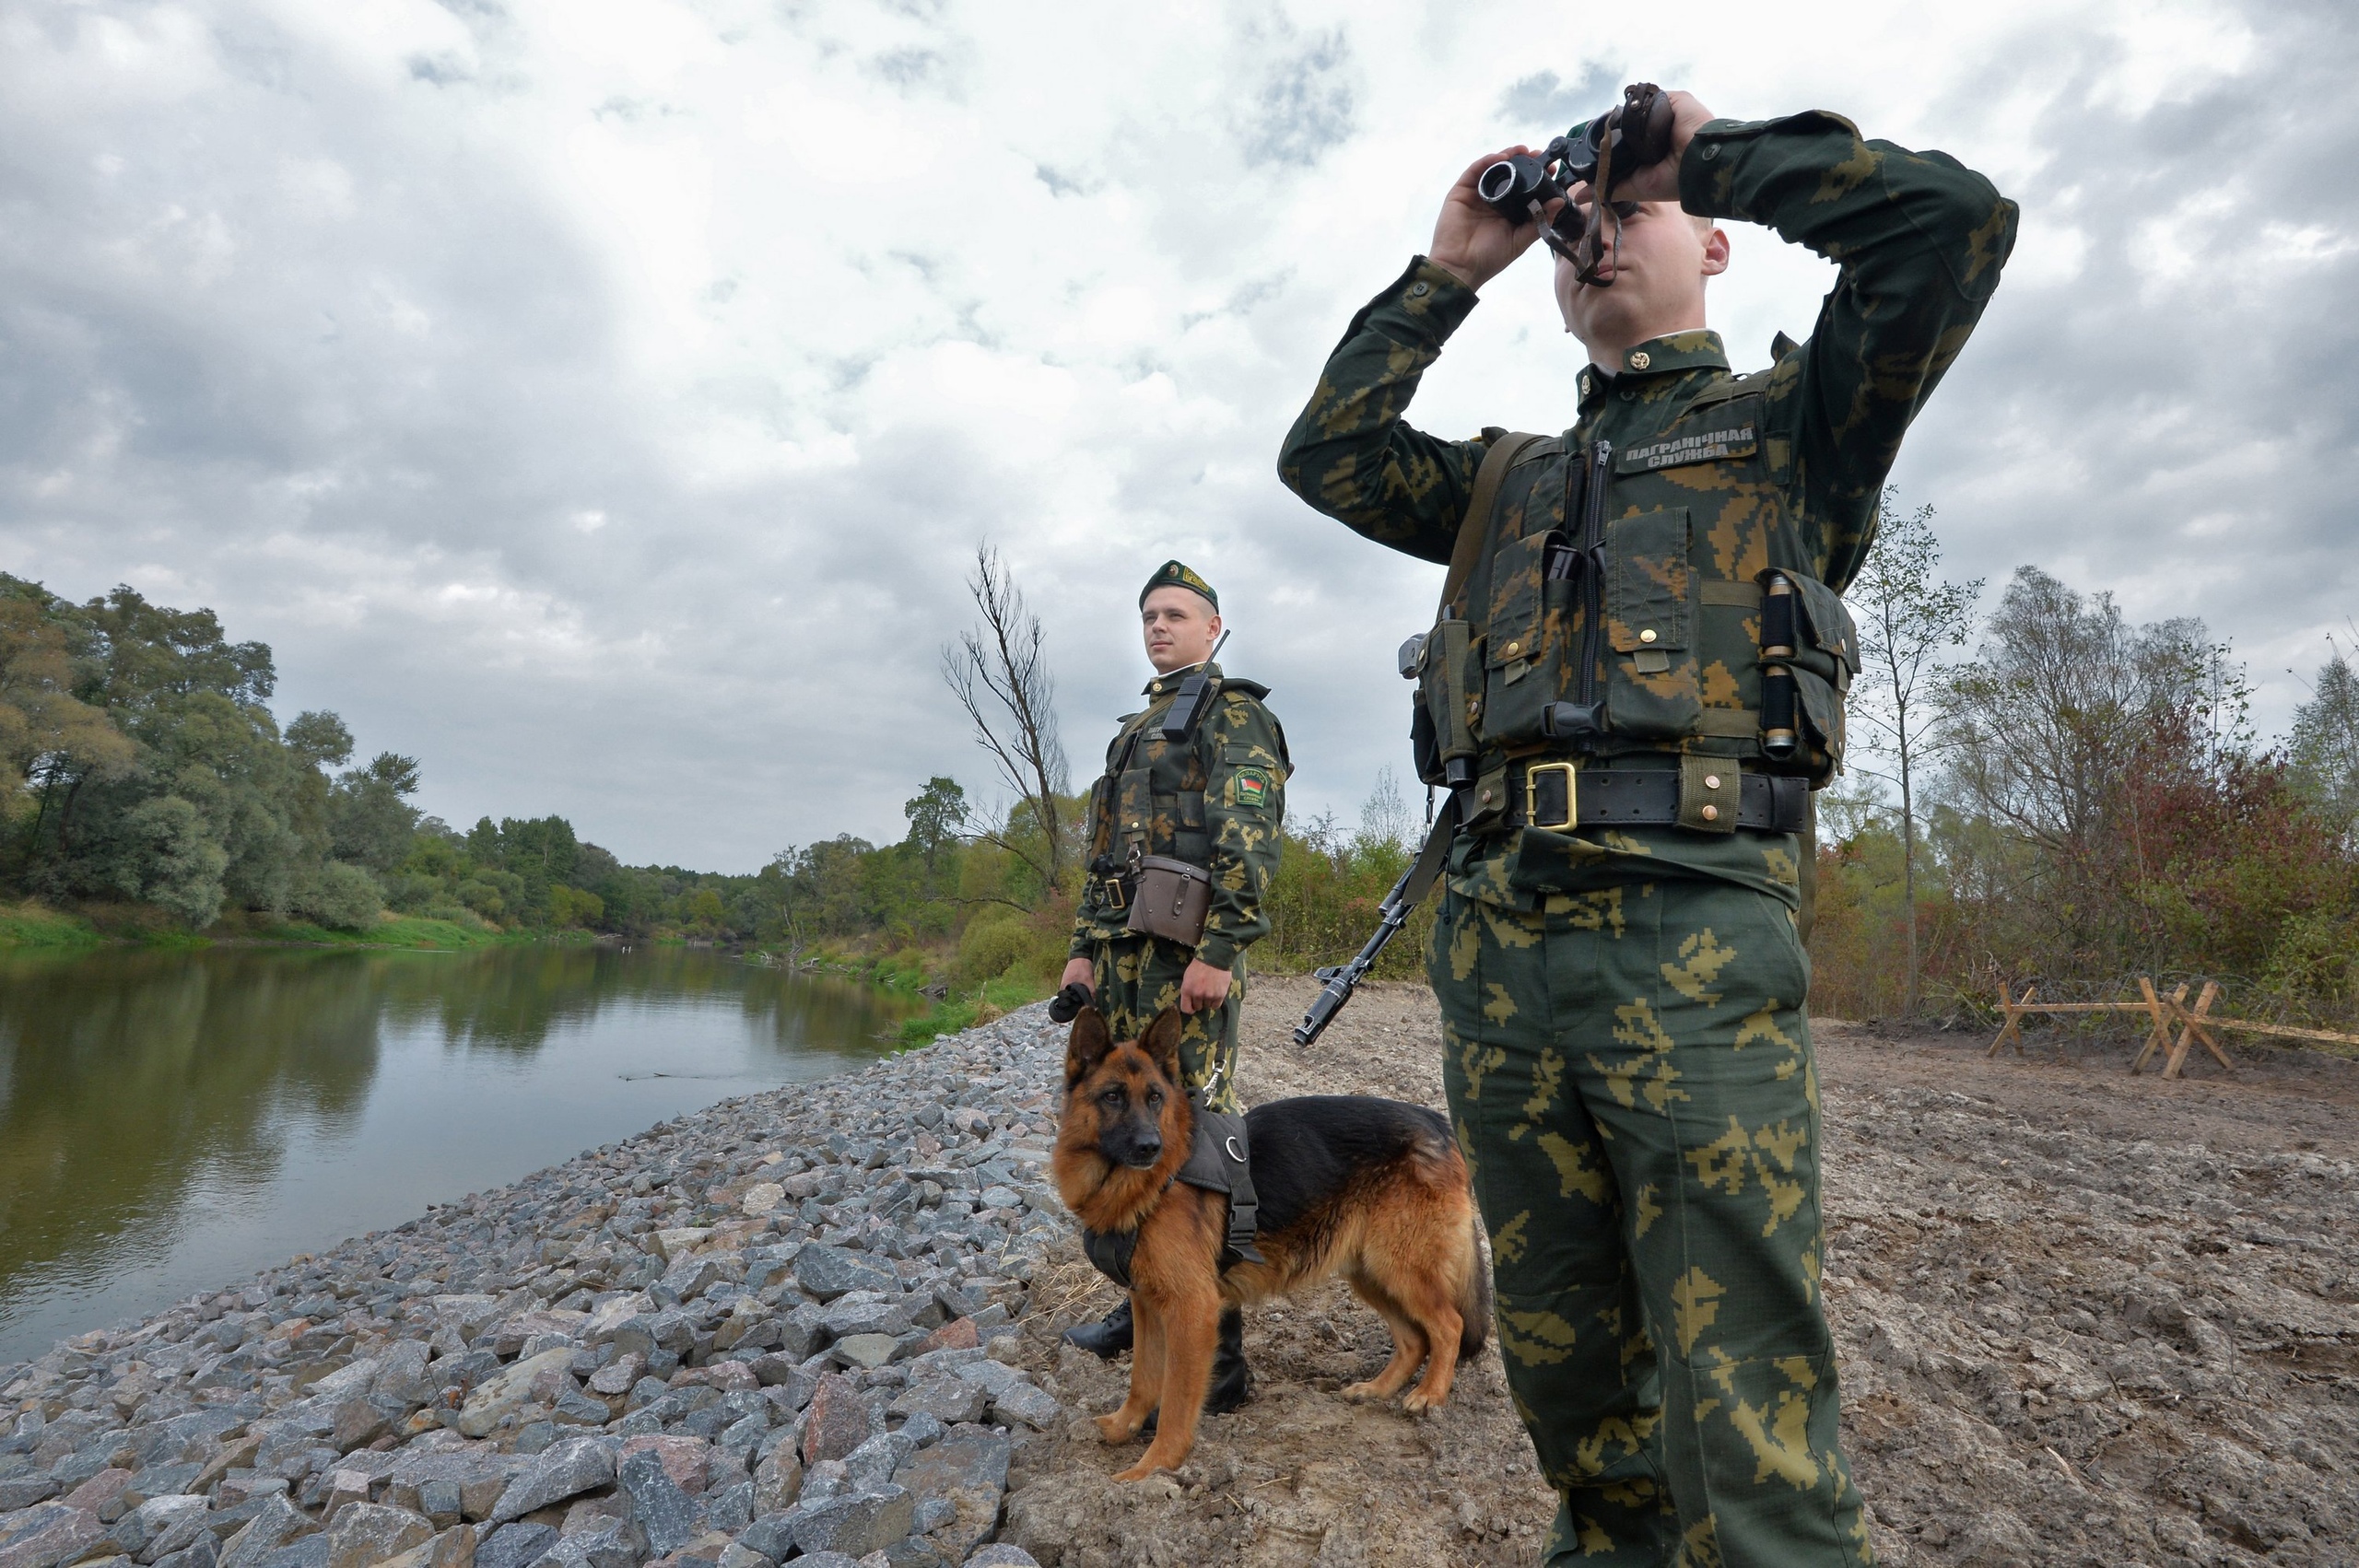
(1350, 453)
(1921, 239)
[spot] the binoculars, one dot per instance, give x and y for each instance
(1631, 136)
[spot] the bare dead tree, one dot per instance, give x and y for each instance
(1000, 677)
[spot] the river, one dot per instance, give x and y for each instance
(170, 1121)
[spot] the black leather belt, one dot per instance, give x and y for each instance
(1633, 797)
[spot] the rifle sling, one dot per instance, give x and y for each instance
(1431, 858)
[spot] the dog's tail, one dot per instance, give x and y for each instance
(1475, 1294)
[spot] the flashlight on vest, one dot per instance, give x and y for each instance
(1779, 740)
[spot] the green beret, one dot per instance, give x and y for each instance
(1174, 574)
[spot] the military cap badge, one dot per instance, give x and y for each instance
(1175, 574)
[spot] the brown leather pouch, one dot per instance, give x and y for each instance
(1171, 899)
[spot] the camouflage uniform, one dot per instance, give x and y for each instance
(1213, 799)
(1628, 1059)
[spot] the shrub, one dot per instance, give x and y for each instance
(339, 896)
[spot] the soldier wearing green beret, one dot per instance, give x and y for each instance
(1199, 776)
(1639, 675)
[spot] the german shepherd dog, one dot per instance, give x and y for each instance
(1372, 1190)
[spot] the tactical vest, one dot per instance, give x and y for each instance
(1151, 797)
(1663, 553)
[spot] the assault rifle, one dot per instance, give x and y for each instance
(1338, 981)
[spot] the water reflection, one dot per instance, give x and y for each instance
(172, 1120)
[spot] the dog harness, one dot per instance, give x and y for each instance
(1220, 1160)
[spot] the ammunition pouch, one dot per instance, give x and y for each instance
(1170, 899)
(1825, 656)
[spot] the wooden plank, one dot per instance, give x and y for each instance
(2011, 1029)
(2249, 1026)
(2158, 1038)
(2192, 1028)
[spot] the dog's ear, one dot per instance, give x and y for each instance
(1161, 1042)
(1087, 1046)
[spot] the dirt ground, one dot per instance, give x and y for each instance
(2085, 1318)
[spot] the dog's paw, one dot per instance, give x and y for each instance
(1360, 1393)
(1139, 1471)
(1419, 1403)
(1114, 1430)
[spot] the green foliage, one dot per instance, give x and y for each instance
(1329, 885)
(2102, 811)
(343, 897)
(31, 926)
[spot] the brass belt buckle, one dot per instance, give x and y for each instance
(1532, 796)
(1116, 898)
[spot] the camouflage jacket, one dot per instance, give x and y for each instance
(1213, 799)
(1782, 469)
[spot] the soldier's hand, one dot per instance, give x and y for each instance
(1660, 181)
(1078, 972)
(1202, 987)
(1471, 241)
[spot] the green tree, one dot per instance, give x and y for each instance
(1909, 617)
(935, 814)
(2324, 750)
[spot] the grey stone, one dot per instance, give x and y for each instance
(442, 1502)
(159, 1525)
(663, 1512)
(605, 1546)
(921, 1429)
(737, 1555)
(366, 1534)
(201, 1552)
(513, 1546)
(866, 1351)
(947, 1400)
(872, 1464)
(827, 1272)
(1035, 1407)
(862, 1312)
(1002, 1555)
(311, 1551)
(402, 1377)
(826, 1560)
(771, 1537)
(481, 1476)
(968, 1470)
(615, 1377)
(565, 1469)
(575, 1407)
(856, 1524)
(23, 1491)
(503, 1395)
(729, 1510)
(276, 1523)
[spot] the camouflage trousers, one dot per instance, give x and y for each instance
(1138, 977)
(1631, 1077)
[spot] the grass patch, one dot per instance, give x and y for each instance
(29, 924)
(964, 1010)
(394, 930)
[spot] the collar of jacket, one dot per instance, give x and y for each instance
(1165, 686)
(1672, 352)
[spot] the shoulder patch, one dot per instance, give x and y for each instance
(1251, 788)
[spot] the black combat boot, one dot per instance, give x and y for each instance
(1232, 1383)
(1109, 1337)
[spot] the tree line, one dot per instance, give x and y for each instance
(2052, 794)
(140, 764)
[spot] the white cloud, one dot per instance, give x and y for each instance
(601, 401)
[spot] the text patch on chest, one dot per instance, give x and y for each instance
(1692, 446)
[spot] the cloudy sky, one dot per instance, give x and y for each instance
(601, 399)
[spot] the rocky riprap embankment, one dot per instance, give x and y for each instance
(779, 1329)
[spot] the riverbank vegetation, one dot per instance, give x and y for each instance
(2089, 803)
